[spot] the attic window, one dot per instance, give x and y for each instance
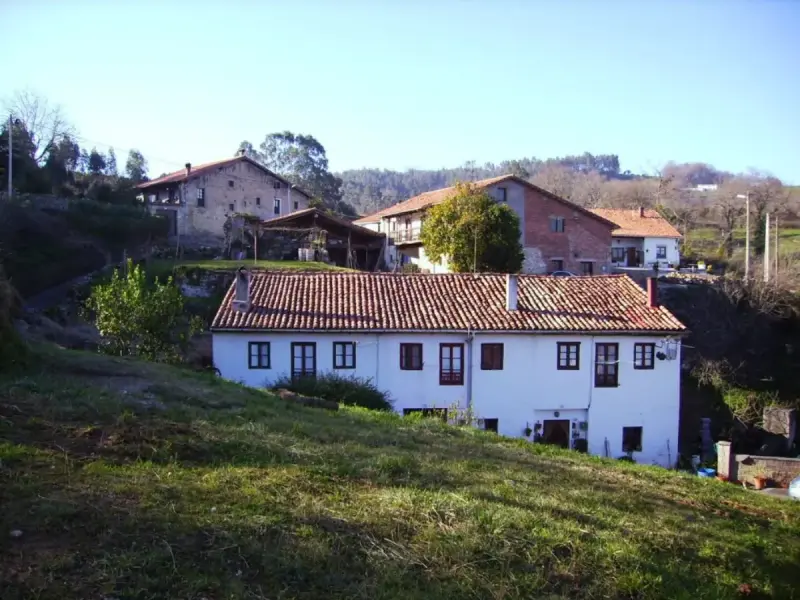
(276, 185)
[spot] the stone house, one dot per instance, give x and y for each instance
(198, 200)
(556, 235)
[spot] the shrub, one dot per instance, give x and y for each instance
(353, 391)
(12, 350)
(136, 318)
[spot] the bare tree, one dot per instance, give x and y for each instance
(730, 208)
(45, 122)
(556, 179)
(591, 190)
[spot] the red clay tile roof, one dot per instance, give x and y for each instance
(180, 176)
(630, 223)
(445, 302)
(437, 196)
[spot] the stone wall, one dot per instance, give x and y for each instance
(745, 467)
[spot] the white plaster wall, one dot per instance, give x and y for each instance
(529, 388)
(673, 251)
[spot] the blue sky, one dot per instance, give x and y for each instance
(421, 84)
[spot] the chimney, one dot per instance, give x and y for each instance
(241, 292)
(641, 212)
(241, 152)
(188, 169)
(511, 292)
(652, 292)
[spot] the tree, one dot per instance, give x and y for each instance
(111, 163)
(474, 232)
(139, 319)
(96, 163)
(46, 123)
(136, 167)
(556, 179)
(302, 160)
(730, 208)
(767, 194)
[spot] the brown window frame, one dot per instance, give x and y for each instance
(344, 363)
(451, 376)
(492, 357)
(407, 356)
(659, 254)
(636, 432)
(644, 356)
(569, 347)
(302, 372)
(276, 206)
(296, 204)
(620, 251)
(556, 264)
(258, 356)
(584, 264)
(604, 378)
(232, 207)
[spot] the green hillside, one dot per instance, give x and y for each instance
(121, 479)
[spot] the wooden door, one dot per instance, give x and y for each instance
(556, 432)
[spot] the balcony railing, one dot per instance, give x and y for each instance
(406, 235)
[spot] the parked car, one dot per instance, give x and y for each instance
(562, 274)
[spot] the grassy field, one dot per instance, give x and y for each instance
(705, 240)
(121, 479)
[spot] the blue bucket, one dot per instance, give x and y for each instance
(706, 472)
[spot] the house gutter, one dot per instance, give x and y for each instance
(468, 358)
(593, 332)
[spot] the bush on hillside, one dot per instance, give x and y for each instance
(137, 318)
(12, 350)
(353, 391)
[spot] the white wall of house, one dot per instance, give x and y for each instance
(672, 246)
(529, 388)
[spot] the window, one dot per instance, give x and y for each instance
(618, 255)
(258, 201)
(451, 364)
(411, 357)
(259, 355)
(587, 267)
(201, 197)
(231, 207)
(296, 205)
(557, 224)
(230, 183)
(276, 185)
(441, 413)
(276, 206)
(556, 265)
(661, 252)
(344, 355)
(631, 439)
(569, 356)
(502, 194)
(643, 355)
(304, 359)
(490, 425)
(491, 357)
(606, 369)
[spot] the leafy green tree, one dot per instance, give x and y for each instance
(302, 160)
(136, 318)
(111, 163)
(474, 232)
(96, 164)
(136, 167)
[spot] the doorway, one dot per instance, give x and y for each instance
(556, 432)
(632, 257)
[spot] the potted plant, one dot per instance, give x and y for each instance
(527, 431)
(760, 480)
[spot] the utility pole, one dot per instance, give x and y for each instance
(766, 249)
(775, 275)
(10, 138)
(746, 198)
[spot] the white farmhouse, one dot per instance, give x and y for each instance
(642, 238)
(582, 362)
